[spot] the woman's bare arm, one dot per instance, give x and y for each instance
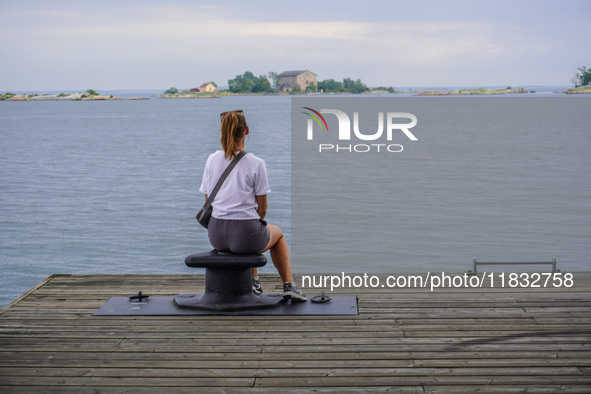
(262, 208)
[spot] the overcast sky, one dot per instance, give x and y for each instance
(108, 45)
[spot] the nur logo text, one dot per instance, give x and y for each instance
(392, 125)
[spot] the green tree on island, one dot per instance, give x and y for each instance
(582, 77)
(354, 86)
(172, 90)
(89, 93)
(274, 77)
(347, 86)
(248, 83)
(331, 86)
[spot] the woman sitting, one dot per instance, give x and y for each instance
(236, 223)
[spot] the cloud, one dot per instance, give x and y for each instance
(227, 39)
(416, 42)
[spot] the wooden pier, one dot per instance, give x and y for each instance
(404, 340)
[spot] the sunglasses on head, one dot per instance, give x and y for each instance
(239, 111)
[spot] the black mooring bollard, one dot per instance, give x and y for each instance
(228, 283)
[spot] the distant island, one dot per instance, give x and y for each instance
(86, 96)
(477, 91)
(91, 95)
(189, 95)
(580, 90)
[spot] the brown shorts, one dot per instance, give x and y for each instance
(238, 236)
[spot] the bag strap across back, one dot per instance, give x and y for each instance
(225, 174)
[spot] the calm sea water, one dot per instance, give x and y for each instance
(112, 187)
(497, 179)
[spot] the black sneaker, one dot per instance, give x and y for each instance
(256, 285)
(291, 290)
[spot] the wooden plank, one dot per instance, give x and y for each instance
(290, 342)
(480, 380)
(458, 357)
(506, 389)
(210, 390)
(142, 381)
(337, 372)
(139, 361)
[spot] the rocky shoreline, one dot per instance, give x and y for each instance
(580, 90)
(63, 97)
(479, 91)
(186, 95)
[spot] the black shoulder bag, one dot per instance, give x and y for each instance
(204, 213)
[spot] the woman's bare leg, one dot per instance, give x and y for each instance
(279, 253)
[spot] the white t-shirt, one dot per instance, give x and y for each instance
(236, 198)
